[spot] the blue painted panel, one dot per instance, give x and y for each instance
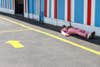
(0, 3)
(41, 10)
(79, 11)
(97, 14)
(34, 6)
(50, 1)
(11, 4)
(61, 9)
(30, 6)
(5, 3)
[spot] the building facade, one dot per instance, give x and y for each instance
(83, 14)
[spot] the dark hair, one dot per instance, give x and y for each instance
(63, 26)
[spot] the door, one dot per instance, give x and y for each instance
(19, 7)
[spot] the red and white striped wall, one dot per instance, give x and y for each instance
(81, 13)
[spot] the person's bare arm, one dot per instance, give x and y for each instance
(65, 33)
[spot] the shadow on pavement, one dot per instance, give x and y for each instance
(96, 40)
(49, 26)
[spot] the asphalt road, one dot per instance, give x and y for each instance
(40, 50)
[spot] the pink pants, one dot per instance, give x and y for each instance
(77, 31)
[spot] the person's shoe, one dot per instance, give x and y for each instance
(93, 35)
(89, 36)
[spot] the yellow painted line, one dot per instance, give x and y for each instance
(15, 44)
(56, 37)
(7, 31)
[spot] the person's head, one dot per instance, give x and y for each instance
(63, 26)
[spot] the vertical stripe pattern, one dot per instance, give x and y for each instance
(89, 12)
(55, 9)
(25, 6)
(61, 9)
(45, 8)
(52, 8)
(69, 10)
(49, 8)
(97, 13)
(79, 11)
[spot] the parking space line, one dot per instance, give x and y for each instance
(9, 31)
(15, 44)
(54, 36)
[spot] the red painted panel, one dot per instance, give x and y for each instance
(55, 9)
(69, 10)
(45, 8)
(89, 12)
(13, 4)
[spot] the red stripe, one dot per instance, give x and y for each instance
(13, 5)
(45, 8)
(69, 10)
(89, 12)
(55, 9)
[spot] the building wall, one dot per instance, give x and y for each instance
(83, 14)
(7, 6)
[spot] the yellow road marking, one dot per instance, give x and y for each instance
(15, 44)
(6, 31)
(56, 37)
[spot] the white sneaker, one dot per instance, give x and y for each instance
(88, 36)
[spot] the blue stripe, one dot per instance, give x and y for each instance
(0, 3)
(79, 11)
(27, 6)
(5, 4)
(50, 8)
(10, 4)
(34, 6)
(41, 10)
(30, 6)
(61, 9)
(97, 14)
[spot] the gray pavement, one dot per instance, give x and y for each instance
(41, 50)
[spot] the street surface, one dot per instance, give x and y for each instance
(26, 45)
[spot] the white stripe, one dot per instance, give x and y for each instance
(66, 11)
(47, 8)
(93, 13)
(72, 10)
(85, 11)
(52, 9)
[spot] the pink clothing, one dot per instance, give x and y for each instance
(77, 31)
